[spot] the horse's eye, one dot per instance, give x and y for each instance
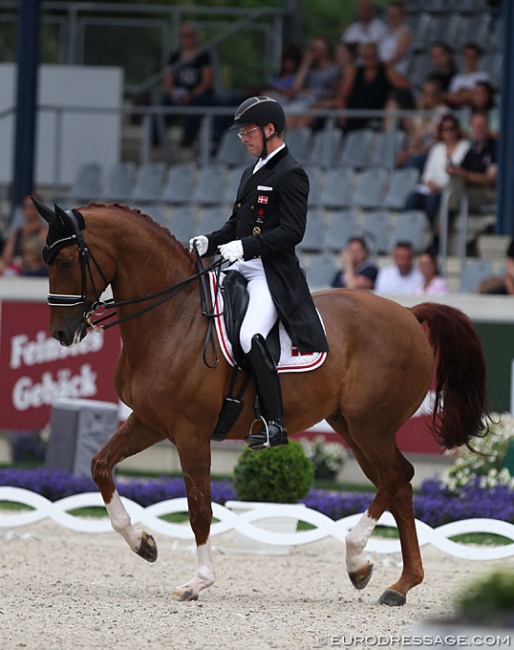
(65, 265)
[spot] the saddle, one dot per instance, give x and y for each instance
(235, 300)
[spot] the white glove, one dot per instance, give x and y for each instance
(201, 242)
(232, 251)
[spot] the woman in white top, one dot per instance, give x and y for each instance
(433, 282)
(449, 150)
(395, 47)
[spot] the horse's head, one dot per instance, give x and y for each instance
(75, 286)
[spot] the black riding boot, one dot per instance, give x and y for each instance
(267, 386)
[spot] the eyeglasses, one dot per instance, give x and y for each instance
(243, 134)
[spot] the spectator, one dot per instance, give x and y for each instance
(357, 272)
(317, 79)
(450, 148)
(32, 263)
(433, 282)
(482, 101)
(367, 28)
(367, 86)
(443, 65)
(422, 130)
(403, 276)
(477, 172)
(461, 86)
(396, 45)
(189, 80)
(505, 285)
(281, 85)
(34, 226)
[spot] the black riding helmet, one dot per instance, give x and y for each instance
(261, 111)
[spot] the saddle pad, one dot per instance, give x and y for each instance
(290, 359)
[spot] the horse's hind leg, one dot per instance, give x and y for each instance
(391, 474)
(402, 510)
(394, 491)
(131, 438)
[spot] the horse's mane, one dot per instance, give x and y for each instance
(137, 214)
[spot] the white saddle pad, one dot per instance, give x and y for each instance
(291, 360)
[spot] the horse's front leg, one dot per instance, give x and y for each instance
(195, 459)
(131, 438)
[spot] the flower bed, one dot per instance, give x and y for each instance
(435, 504)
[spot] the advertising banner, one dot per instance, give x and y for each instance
(35, 369)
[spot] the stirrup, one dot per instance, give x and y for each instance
(263, 439)
(265, 427)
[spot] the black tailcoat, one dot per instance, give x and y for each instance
(269, 217)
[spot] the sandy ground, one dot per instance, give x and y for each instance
(62, 590)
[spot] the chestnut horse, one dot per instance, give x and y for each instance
(378, 371)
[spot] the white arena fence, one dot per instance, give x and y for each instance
(324, 527)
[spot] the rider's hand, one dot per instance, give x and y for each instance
(232, 251)
(201, 243)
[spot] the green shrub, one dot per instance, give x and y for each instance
(489, 600)
(279, 475)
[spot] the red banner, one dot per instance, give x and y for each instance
(35, 369)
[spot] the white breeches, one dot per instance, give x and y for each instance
(261, 314)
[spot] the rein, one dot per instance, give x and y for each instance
(86, 257)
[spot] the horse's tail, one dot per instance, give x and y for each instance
(460, 409)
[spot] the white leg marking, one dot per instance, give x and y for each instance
(356, 541)
(121, 523)
(205, 574)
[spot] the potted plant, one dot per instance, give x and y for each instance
(327, 457)
(281, 475)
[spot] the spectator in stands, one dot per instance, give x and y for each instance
(281, 85)
(504, 285)
(462, 84)
(317, 79)
(443, 65)
(34, 226)
(448, 151)
(403, 276)
(32, 263)
(189, 80)
(357, 272)
(433, 282)
(395, 47)
(478, 170)
(367, 28)
(482, 100)
(422, 130)
(367, 86)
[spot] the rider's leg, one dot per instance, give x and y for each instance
(259, 319)
(267, 386)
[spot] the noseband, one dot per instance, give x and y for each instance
(85, 258)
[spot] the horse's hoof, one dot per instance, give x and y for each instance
(392, 598)
(362, 576)
(184, 595)
(147, 547)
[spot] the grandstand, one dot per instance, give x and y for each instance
(355, 187)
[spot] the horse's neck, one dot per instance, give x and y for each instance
(147, 260)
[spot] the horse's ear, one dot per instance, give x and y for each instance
(46, 212)
(61, 215)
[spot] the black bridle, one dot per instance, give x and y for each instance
(87, 258)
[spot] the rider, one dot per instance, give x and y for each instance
(268, 220)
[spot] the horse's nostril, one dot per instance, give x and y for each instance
(60, 335)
